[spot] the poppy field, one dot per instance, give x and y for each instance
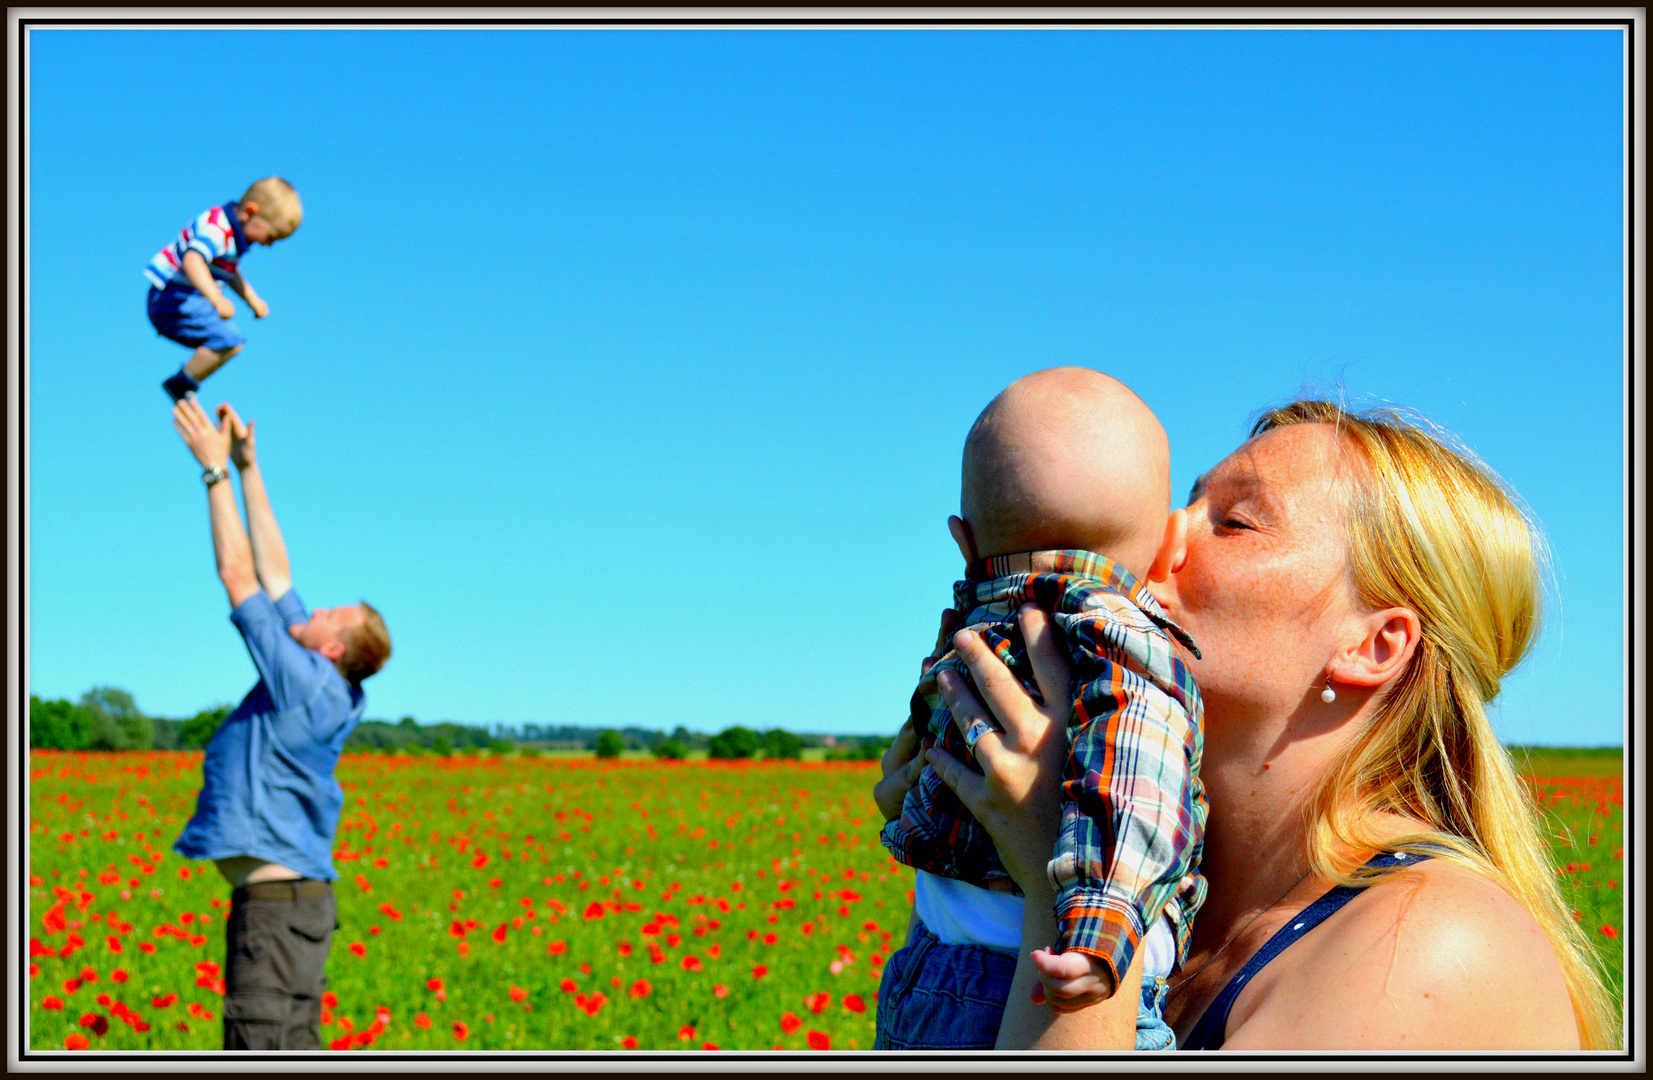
(541, 904)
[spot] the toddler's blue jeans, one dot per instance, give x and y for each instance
(935, 996)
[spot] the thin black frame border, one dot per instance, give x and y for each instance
(26, 1054)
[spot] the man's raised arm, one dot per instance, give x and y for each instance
(210, 444)
(269, 549)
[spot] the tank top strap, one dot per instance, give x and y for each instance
(1209, 1033)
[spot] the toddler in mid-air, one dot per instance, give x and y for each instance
(186, 300)
(1065, 504)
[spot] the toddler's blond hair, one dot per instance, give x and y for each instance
(277, 201)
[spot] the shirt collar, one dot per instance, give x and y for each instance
(235, 227)
(1087, 563)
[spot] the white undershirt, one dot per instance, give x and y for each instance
(960, 913)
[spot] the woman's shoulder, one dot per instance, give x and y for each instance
(1434, 957)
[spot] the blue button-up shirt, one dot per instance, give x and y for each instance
(267, 785)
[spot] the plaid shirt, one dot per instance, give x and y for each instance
(1133, 807)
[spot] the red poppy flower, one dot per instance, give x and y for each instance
(518, 993)
(146, 947)
(433, 984)
(720, 991)
(686, 1032)
(628, 1043)
(709, 1046)
(691, 963)
(818, 1041)
(358, 948)
(119, 975)
(759, 972)
(568, 986)
(499, 934)
(52, 1001)
(330, 999)
(770, 939)
(594, 910)
(420, 1020)
(641, 988)
(1609, 930)
(556, 948)
(163, 1001)
(461, 1030)
(790, 1022)
(854, 1004)
(97, 1022)
(77, 1041)
(818, 1002)
(625, 948)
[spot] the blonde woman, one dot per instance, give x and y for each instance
(1357, 587)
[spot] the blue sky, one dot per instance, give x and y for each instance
(627, 371)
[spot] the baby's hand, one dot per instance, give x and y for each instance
(226, 310)
(260, 308)
(1071, 981)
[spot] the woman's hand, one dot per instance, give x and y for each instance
(904, 760)
(902, 763)
(1017, 797)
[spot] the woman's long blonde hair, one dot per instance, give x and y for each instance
(1432, 529)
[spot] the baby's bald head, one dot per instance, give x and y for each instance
(1068, 458)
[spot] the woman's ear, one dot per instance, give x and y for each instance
(1389, 641)
(963, 536)
(1173, 547)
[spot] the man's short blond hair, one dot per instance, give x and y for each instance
(277, 201)
(366, 647)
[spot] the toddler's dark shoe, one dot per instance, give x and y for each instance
(179, 385)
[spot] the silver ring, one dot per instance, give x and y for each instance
(978, 728)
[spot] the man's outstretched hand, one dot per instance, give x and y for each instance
(1071, 981)
(243, 448)
(209, 442)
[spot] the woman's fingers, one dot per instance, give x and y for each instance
(968, 785)
(902, 750)
(890, 793)
(968, 712)
(1017, 713)
(1051, 669)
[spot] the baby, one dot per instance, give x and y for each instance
(1065, 504)
(186, 303)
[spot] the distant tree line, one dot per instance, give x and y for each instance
(107, 718)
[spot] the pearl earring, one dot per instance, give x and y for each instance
(1328, 695)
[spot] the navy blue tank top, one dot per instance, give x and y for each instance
(1209, 1033)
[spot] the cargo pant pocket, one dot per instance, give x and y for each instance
(255, 1021)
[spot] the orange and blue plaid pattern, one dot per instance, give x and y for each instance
(1133, 807)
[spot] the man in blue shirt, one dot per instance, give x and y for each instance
(269, 804)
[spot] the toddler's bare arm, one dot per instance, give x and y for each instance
(245, 288)
(195, 268)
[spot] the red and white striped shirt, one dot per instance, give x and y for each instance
(215, 235)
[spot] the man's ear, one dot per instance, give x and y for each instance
(1390, 639)
(1173, 547)
(963, 537)
(332, 650)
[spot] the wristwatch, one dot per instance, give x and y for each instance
(212, 474)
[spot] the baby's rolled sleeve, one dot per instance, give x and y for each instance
(1128, 837)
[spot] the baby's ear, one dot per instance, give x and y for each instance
(963, 537)
(249, 208)
(1173, 547)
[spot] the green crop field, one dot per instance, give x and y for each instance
(555, 903)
